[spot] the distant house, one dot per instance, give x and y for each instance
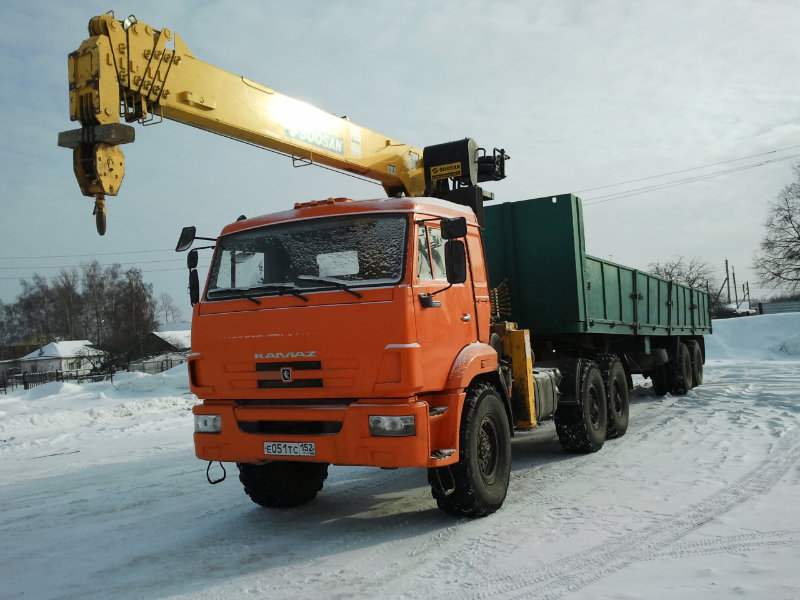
(77, 356)
(163, 350)
(161, 342)
(9, 359)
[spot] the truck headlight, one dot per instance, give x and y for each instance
(207, 423)
(392, 425)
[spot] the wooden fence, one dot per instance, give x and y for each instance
(30, 380)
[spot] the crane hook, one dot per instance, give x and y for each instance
(100, 213)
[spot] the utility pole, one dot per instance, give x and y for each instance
(728, 280)
(735, 291)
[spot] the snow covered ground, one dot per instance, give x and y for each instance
(101, 497)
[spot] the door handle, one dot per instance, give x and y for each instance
(466, 318)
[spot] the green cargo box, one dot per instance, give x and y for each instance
(536, 249)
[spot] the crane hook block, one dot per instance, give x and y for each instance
(98, 162)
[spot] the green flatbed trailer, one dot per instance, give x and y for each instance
(576, 305)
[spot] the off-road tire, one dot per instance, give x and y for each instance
(582, 429)
(681, 371)
(477, 484)
(696, 356)
(617, 395)
(282, 484)
(660, 380)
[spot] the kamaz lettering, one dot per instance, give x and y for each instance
(320, 139)
(271, 355)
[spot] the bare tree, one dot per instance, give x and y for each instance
(99, 299)
(113, 308)
(693, 271)
(35, 313)
(67, 304)
(778, 261)
(167, 309)
(5, 329)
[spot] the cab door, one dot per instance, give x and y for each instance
(445, 316)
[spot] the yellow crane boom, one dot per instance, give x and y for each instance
(130, 70)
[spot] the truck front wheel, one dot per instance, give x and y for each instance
(477, 484)
(282, 484)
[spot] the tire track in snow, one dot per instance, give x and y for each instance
(528, 487)
(784, 538)
(556, 578)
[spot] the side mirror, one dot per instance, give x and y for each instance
(194, 287)
(191, 259)
(455, 260)
(186, 239)
(454, 228)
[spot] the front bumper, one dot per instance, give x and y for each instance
(340, 433)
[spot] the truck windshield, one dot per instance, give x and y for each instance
(305, 256)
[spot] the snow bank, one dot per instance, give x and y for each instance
(56, 417)
(761, 337)
(101, 492)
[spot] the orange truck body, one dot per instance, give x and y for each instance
(289, 370)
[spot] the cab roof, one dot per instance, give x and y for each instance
(345, 206)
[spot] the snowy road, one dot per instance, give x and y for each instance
(102, 498)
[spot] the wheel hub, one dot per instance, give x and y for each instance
(487, 448)
(594, 408)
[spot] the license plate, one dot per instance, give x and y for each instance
(290, 448)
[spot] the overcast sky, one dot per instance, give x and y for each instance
(582, 95)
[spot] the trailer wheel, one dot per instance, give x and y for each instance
(697, 363)
(477, 484)
(617, 396)
(582, 429)
(681, 374)
(282, 484)
(660, 379)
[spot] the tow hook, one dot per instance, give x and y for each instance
(208, 474)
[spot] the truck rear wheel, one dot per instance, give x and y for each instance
(681, 374)
(660, 379)
(477, 484)
(617, 396)
(697, 363)
(582, 429)
(282, 484)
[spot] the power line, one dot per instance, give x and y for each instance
(199, 267)
(716, 164)
(141, 262)
(81, 255)
(669, 184)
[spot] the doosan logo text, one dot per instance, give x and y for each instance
(269, 355)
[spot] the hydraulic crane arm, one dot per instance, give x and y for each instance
(128, 70)
(131, 70)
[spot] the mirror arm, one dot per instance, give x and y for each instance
(444, 289)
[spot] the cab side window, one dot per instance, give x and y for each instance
(430, 254)
(423, 255)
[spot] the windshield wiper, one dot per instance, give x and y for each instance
(246, 296)
(282, 289)
(342, 285)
